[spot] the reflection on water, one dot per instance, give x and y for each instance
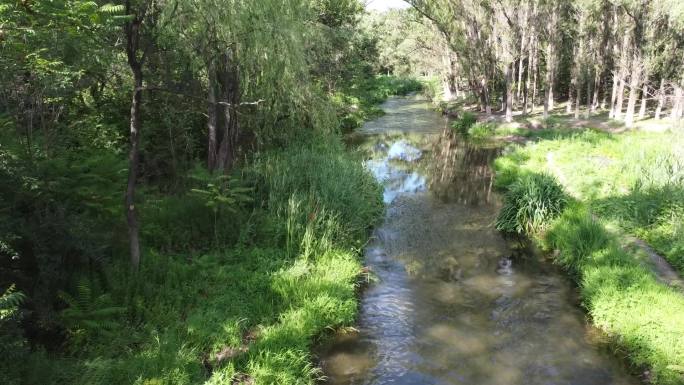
(453, 303)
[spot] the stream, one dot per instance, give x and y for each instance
(453, 302)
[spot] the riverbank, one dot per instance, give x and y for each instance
(241, 275)
(616, 184)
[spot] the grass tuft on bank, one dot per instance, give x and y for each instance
(605, 178)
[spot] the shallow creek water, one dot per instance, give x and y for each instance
(453, 303)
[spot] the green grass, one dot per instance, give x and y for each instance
(248, 311)
(530, 203)
(632, 180)
(644, 318)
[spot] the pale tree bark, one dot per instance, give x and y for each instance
(634, 85)
(597, 85)
(661, 99)
(589, 79)
(485, 95)
(613, 97)
(676, 111)
(509, 92)
(550, 61)
(573, 92)
(212, 116)
(644, 99)
(528, 79)
(622, 74)
(577, 98)
(535, 75)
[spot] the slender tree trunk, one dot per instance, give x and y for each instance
(634, 83)
(644, 99)
(578, 97)
(132, 30)
(613, 96)
(617, 112)
(212, 118)
(535, 74)
(675, 113)
(229, 81)
(573, 80)
(509, 91)
(133, 165)
(589, 100)
(528, 78)
(661, 99)
(550, 63)
(485, 95)
(597, 85)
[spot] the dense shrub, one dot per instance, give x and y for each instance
(463, 124)
(530, 203)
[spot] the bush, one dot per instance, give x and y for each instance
(481, 130)
(530, 204)
(463, 124)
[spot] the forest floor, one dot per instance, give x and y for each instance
(627, 193)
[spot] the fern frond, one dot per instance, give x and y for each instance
(112, 9)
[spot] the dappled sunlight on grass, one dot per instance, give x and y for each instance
(622, 295)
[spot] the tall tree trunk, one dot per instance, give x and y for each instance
(132, 30)
(535, 74)
(229, 81)
(644, 99)
(577, 98)
(661, 99)
(589, 100)
(573, 80)
(622, 75)
(485, 95)
(133, 165)
(597, 85)
(528, 78)
(212, 112)
(509, 91)
(634, 83)
(613, 96)
(675, 113)
(550, 63)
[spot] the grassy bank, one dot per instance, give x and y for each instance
(632, 181)
(247, 312)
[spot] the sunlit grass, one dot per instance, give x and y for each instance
(633, 180)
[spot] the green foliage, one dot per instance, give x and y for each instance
(292, 277)
(464, 123)
(530, 203)
(13, 347)
(223, 195)
(9, 303)
(90, 316)
(481, 130)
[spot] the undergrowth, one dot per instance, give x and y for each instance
(247, 309)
